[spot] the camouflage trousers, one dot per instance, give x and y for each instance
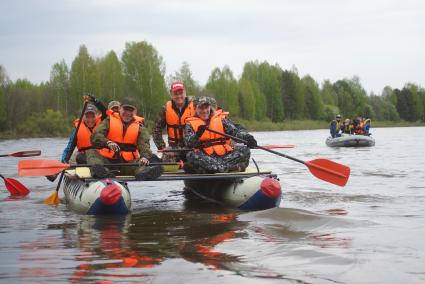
(94, 158)
(200, 163)
(174, 156)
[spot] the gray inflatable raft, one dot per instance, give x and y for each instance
(350, 140)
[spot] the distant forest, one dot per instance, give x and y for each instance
(264, 92)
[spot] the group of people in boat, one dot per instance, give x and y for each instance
(116, 134)
(357, 126)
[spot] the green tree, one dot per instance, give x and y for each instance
(383, 109)
(144, 76)
(247, 99)
(111, 77)
(59, 82)
(83, 79)
(409, 103)
(224, 88)
(292, 95)
(313, 101)
(267, 78)
(4, 80)
(351, 97)
(328, 94)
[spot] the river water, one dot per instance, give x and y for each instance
(370, 231)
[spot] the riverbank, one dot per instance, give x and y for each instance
(314, 124)
(250, 125)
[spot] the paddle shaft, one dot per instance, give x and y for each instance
(74, 143)
(187, 149)
(321, 168)
(258, 147)
(23, 154)
(125, 164)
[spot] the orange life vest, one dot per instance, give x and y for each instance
(84, 133)
(109, 112)
(176, 123)
(359, 128)
(128, 139)
(212, 143)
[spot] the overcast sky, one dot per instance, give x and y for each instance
(383, 42)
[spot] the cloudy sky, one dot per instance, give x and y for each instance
(382, 41)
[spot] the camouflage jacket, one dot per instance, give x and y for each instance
(161, 123)
(192, 140)
(99, 140)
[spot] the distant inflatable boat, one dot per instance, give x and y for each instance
(350, 140)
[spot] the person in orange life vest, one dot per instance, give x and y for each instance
(358, 126)
(113, 106)
(172, 116)
(83, 138)
(212, 153)
(87, 126)
(121, 137)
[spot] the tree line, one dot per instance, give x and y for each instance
(264, 92)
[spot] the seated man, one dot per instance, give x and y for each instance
(358, 126)
(336, 126)
(366, 126)
(347, 127)
(122, 138)
(212, 152)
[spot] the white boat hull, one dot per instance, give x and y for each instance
(348, 140)
(252, 193)
(248, 190)
(101, 197)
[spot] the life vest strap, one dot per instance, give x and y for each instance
(212, 142)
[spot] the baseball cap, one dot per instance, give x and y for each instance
(90, 108)
(202, 101)
(114, 104)
(129, 102)
(176, 86)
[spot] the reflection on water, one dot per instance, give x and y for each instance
(124, 247)
(369, 231)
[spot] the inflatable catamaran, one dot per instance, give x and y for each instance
(249, 190)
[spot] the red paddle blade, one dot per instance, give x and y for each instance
(26, 153)
(15, 187)
(40, 167)
(329, 171)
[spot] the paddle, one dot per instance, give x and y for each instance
(264, 146)
(29, 153)
(12, 185)
(53, 199)
(51, 167)
(323, 169)
(15, 187)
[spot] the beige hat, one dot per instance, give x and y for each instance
(114, 104)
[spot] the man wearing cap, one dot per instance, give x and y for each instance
(122, 138)
(113, 106)
(212, 152)
(347, 127)
(335, 126)
(172, 116)
(90, 121)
